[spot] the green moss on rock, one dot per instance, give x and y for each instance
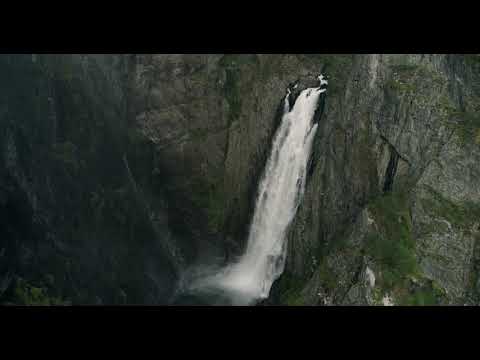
(403, 68)
(289, 288)
(327, 277)
(467, 127)
(337, 68)
(427, 294)
(408, 79)
(25, 293)
(234, 66)
(462, 215)
(393, 246)
(472, 60)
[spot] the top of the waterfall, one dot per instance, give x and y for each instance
(322, 80)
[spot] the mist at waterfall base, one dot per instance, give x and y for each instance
(249, 278)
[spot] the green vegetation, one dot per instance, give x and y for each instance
(467, 126)
(401, 86)
(410, 78)
(446, 106)
(27, 294)
(457, 214)
(429, 76)
(393, 246)
(403, 78)
(290, 287)
(327, 276)
(337, 68)
(233, 65)
(404, 68)
(472, 60)
(428, 294)
(235, 60)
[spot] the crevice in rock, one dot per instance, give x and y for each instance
(392, 147)
(391, 170)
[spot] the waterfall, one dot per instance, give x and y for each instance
(280, 191)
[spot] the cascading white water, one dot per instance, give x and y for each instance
(250, 278)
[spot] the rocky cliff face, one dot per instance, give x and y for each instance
(391, 211)
(118, 172)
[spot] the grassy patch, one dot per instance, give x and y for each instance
(467, 126)
(27, 294)
(236, 60)
(446, 106)
(393, 247)
(233, 65)
(411, 78)
(337, 68)
(472, 60)
(402, 79)
(457, 214)
(398, 85)
(327, 277)
(290, 288)
(404, 68)
(428, 294)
